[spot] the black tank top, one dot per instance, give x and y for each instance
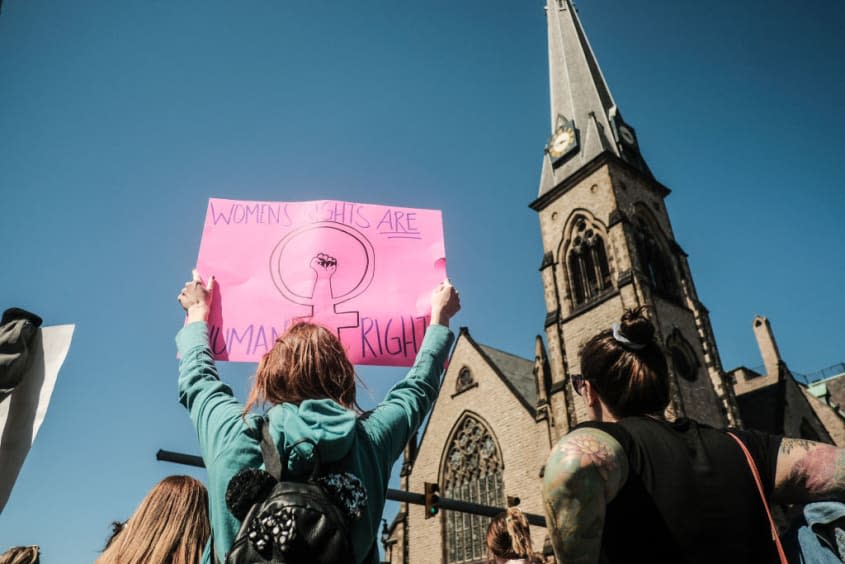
(690, 496)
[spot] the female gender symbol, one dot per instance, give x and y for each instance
(321, 265)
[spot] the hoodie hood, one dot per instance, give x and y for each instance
(297, 429)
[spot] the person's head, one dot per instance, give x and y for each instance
(21, 555)
(509, 537)
(625, 368)
(307, 362)
(170, 525)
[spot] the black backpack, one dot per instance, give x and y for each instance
(287, 521)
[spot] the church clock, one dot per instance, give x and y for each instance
(563, 141)
(627, 135)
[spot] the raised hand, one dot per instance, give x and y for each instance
(196, 297)
(324, 265)
(445, 302)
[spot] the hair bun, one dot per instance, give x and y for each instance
(636, 326)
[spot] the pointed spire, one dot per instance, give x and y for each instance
(582, 107)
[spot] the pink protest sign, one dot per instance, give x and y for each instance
(364, 271)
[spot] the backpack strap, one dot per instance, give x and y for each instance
(274, 462)
(272, 457)
(759, 483)
(315, 469)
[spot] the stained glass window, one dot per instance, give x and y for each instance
(472, 472)
(589, 271)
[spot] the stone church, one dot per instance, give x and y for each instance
(608, 245)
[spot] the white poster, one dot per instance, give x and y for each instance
(22, 413)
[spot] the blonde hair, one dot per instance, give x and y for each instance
(509, 536)
(21, 555)
(170, 526)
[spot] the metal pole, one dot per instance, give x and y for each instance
(461, 506)
(180, 458)
(445, 503)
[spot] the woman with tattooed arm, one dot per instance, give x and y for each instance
(630, 486)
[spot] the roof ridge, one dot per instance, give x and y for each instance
(504, 352)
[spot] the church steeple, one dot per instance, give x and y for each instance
(608, 243)
(585, 121)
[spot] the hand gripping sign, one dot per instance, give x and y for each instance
(364, 271)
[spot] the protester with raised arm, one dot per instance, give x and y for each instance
(630, 486)
(309, 385)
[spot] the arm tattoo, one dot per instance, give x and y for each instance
(788, 445)
(584, 472)
(817, 470)
(587, 450)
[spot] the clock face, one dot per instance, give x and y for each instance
(562, 141)
(627, 135)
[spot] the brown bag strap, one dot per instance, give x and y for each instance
(759, 483)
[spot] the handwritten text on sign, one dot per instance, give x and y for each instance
(364, 271)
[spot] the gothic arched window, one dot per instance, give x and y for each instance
(684, 359)
(589, 271)
(654, 262)
(471, 471)
(465, 380)
(683, 367)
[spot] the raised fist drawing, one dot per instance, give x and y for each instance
(324, 265)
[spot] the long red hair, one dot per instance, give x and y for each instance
(307, 362)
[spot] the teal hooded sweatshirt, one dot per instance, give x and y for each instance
(229, 442)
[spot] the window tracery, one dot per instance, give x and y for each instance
(589, 271)
(472, 471)
(654, 262)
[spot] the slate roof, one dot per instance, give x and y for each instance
(580, 93)
(517, 372)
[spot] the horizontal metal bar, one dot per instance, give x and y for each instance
(406, 497)
(449, 504)
(444, 503)
(180, 458)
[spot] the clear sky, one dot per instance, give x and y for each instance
(119, 119)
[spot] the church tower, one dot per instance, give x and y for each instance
(608, 242)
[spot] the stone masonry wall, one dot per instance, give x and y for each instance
(523, 444)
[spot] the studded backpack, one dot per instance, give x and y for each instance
(285, 521)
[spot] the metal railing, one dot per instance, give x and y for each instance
(444, 503)
(819, 375)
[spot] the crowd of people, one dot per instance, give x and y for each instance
(305, 479)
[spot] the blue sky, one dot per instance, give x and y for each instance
(119, 119)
